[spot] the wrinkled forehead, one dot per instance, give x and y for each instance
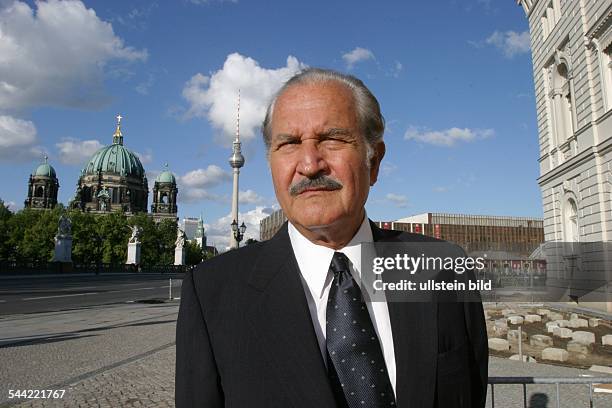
(326, 101)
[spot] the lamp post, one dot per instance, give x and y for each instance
(238, 232)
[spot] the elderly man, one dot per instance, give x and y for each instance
(283, 323)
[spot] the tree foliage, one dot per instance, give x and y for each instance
(28, 236)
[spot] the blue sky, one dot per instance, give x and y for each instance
(454, 80)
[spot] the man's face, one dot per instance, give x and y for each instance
(315, 133)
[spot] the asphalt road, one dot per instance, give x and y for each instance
(54, 293)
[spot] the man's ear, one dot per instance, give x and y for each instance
(379, 153)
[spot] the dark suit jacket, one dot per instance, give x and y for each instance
(245, 338)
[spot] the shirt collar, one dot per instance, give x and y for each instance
(313, 260)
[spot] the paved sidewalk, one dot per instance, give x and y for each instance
(68, 323)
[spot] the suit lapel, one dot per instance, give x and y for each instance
(281, 319)
(415, 343)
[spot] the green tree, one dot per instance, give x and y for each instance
(166, 232)
(194, 253)
(32, 234)
(6, 249)
(113, 228)
(86, 239)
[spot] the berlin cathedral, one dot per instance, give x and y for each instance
(113, 179)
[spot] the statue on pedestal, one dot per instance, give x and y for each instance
(63, 240)
(135, 238)
(180, 251)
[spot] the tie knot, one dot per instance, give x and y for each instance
(339, 263)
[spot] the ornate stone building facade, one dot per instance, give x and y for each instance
(113, 179)
(571, 44)
(42, 187)
(164, 195)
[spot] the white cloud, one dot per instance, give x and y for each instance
(218, 233)
(397, 199)
(447, 137)
(196, 195)
(146, 157)
(144, 86)
(77, 152)
(215, 97)
(18, 140)
(357, 55)
(208, 177)
(250, 197)
(11, 205)
(194, 184)
(56, 55)
(510, 43)
(397, 69)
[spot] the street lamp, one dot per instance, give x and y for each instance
(238, 231)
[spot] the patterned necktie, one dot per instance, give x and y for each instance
(355, 360)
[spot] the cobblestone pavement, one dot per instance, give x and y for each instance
(148, 382)
(132, 365)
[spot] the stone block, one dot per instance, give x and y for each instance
(513, 336)
(573, 316)
(526, 358)
(532, 318)
(583, 337)
(550, 326)
(606, 340)
(555, 316)
(577, 323)
(543, 312)
(499, 344)
(574, 346)
(601, 369)
(555, 354)
(541, 340)
(515, 319)
(507, 312)
(562, 322)
(594, 322)
(562, 332)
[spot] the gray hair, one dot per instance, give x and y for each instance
(371, 121)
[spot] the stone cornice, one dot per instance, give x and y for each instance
(602, 23)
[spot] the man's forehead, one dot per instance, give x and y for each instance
(319, 105)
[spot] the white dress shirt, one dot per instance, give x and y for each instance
(313, 261)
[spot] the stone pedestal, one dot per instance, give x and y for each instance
(63, 249)
(179, 256)
(133, 255)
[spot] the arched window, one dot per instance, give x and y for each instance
(164, 198)
(39, 192)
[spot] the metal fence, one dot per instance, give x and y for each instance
(49, 268)
(549, 381)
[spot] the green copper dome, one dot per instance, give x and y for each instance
(166, 177)
(44, 169)
(115, 159)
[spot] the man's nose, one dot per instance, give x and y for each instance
(311, 161)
